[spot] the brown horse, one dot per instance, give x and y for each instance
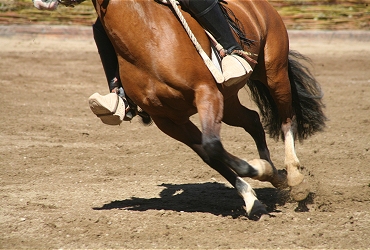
(162, 73)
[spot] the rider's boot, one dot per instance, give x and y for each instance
(113, 108)
(208, 13)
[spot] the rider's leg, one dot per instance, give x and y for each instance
(107, 54)
(209, 14)
(111, 109)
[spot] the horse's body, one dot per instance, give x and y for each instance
(162, 73)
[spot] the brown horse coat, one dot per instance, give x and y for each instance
(162, 73)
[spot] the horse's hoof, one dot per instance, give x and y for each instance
(300, 191)
(145, 118)
(257, 211)
(280, 180)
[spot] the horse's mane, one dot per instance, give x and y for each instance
(235, 24)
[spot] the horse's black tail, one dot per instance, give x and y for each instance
(306, 98)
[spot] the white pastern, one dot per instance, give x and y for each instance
(264, 168)
(248, 194)
(291, 160)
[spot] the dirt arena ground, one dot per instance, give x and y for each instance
(68, 181)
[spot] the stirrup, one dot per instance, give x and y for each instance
(130, 111)
(109, 108)
(235, 69)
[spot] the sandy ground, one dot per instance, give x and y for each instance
(69, 181)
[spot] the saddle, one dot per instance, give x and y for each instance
(240, 60)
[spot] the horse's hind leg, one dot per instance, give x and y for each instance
(235, 114)
(299, 185)
(280, 90)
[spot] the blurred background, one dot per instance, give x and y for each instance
(298, 15)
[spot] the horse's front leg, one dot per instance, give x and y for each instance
(190, 135)
(296, 180)
(208, 146)
(210, 109)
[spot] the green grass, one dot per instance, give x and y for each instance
(326, 16)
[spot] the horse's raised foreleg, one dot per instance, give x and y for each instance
(235, 114)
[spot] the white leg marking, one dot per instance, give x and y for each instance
(291, 160)
(252, 204)
(266, 172)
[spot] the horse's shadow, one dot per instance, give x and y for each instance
(214, 198)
